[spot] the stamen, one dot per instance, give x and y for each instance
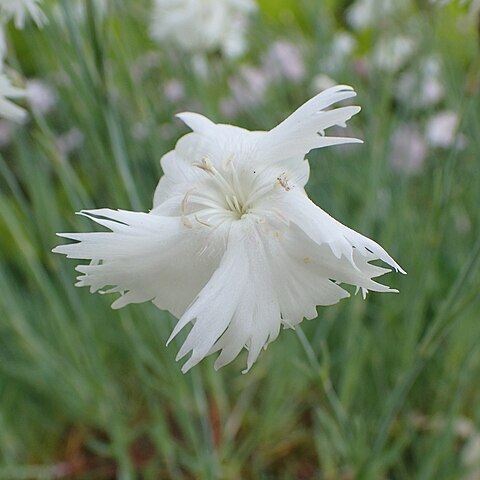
(238, 208)
(201, 222)
(282, 180)
(227, 196)
(185, 220)
(185, 200)
(218, 177)
(205, 200)
(233, 204)
(237, 185)
(229, 203)
(205, 165)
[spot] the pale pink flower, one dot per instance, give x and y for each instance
(422, 86)
(285, 60)
(174, 90)
(442, 129)
(409, 149)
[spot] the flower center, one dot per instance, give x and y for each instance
(235, 206)
(226, 193)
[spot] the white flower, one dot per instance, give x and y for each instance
(233, 245)
(7, 108)
(20, 9)
(409, 149)
(40, 95)
(202, 26)
(249, 86)
(363, 14)
(391, 54)
(340, 52)
(474, 5)
(422, 87)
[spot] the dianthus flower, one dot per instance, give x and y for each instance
(18, 10)
(202, 26)
(233, 245)
(8, 109)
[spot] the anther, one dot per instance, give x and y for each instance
(205, 165)
(282, 180)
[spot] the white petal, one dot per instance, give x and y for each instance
(177, 165)
(304, 129)
(324, 229)
(198, 123)
(299, 284)
(221, 142)
(314, 264)
(11, 111)
(145, 257)
(237, 307)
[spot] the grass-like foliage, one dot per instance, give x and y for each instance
(386, 387)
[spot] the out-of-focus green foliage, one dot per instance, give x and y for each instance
(381, 388)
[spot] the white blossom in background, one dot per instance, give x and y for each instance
(248, 87)
(70, 141)
(8, 109)
(19, 10)
(422, 87)
(467, 436)
(364, 14)
(409, 149)
(202, 26)
(174, 90)
(342, 47)
(40, 96)
(392, 53)
(470, 457)
(442, 129)
(474, 6)
(322, 82)
(233, 246)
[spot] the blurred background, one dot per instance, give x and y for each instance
(382, 388)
